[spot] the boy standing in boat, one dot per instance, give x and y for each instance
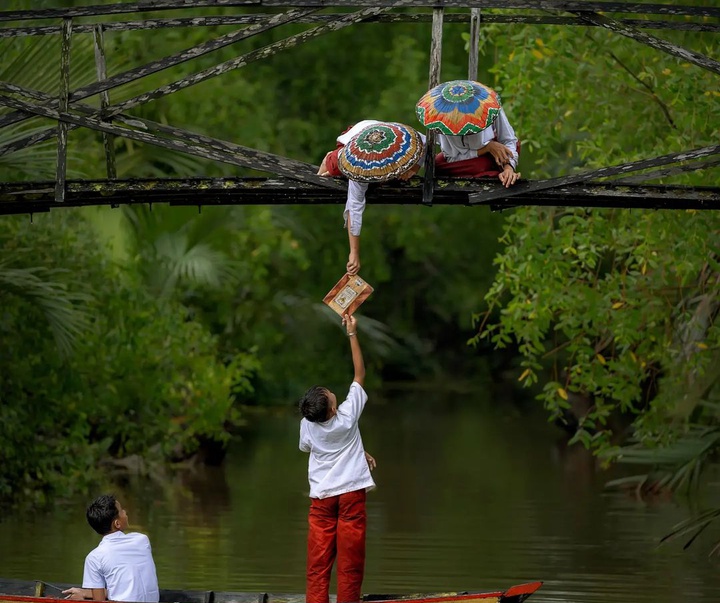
(339, 475)
(121, 568)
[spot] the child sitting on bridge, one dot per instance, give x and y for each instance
(493, 152)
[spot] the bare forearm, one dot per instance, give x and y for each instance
(354, 241)
(357, 358)
(78, 594)
(353, 263)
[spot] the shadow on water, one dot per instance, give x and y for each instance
(472, 494)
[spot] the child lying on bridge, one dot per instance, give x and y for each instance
(371, 151)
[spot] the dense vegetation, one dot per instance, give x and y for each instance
(143, 332)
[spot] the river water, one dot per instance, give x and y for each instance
(473, 494)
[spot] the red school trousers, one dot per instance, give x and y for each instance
(336, 529)
(483, 166)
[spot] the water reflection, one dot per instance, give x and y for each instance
(470, 496)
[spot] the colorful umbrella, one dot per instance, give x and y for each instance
(459, 107)
(380, 152)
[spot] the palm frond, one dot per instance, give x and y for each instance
(65, 310)
(198, 265)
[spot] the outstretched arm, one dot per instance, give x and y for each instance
(353, 264)
(354, 209)
(357, 357)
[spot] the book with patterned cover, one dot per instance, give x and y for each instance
(348, 293)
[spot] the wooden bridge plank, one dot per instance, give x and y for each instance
(671, 171)
(226, 20)
(677, 51)
(560, 5)
(100, 68)
(188, 54)
(227, 153)
(62, 129)
(539, 185)
(176, 59)
(26, 197)
(433, 80)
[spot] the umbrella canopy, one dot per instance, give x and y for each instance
(381, 152)
(459, 107)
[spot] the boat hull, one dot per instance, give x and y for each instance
(28, 591)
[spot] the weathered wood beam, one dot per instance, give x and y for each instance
(26, 197)
(241, 61)
(167, 62)
(433, 80)
(191, 80)
(226, 20)
(538, 185)
(188, 54)
(474, 47)
(62, 130)
(220, 150)
(671, 171)
(101, 70)
(677, 51)
(160, 5)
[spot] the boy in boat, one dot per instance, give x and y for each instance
(121, 568)
(339, 476)
(355, 205)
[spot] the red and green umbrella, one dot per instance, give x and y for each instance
(381, 152)
(459, 107)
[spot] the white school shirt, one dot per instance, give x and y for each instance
(123, 564)
(355, 204)
(458, 148)
(337, 461)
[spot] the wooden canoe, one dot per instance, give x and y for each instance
(28, 591)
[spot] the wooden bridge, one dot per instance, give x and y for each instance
(296, 182)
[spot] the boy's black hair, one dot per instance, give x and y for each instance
(101, 513)
(314, 404)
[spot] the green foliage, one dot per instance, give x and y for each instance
(619, 305)
(137, 374)
(620, 302)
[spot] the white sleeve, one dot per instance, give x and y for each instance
(452, 152)
(355, 206)
(304, 440)
(354, 404)
(92, 573)
(506, 135)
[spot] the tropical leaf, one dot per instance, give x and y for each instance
(65, 311)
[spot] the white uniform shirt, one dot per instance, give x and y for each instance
(337, 461)
(355, 204)
(123, 564)
(458, 148)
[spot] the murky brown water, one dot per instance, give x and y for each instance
(472, 495)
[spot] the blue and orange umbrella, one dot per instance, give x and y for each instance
(459, 107)
(381, 152)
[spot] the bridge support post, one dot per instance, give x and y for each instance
(474, 44)
(101, 70)
(434, 80)
(62, 127)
